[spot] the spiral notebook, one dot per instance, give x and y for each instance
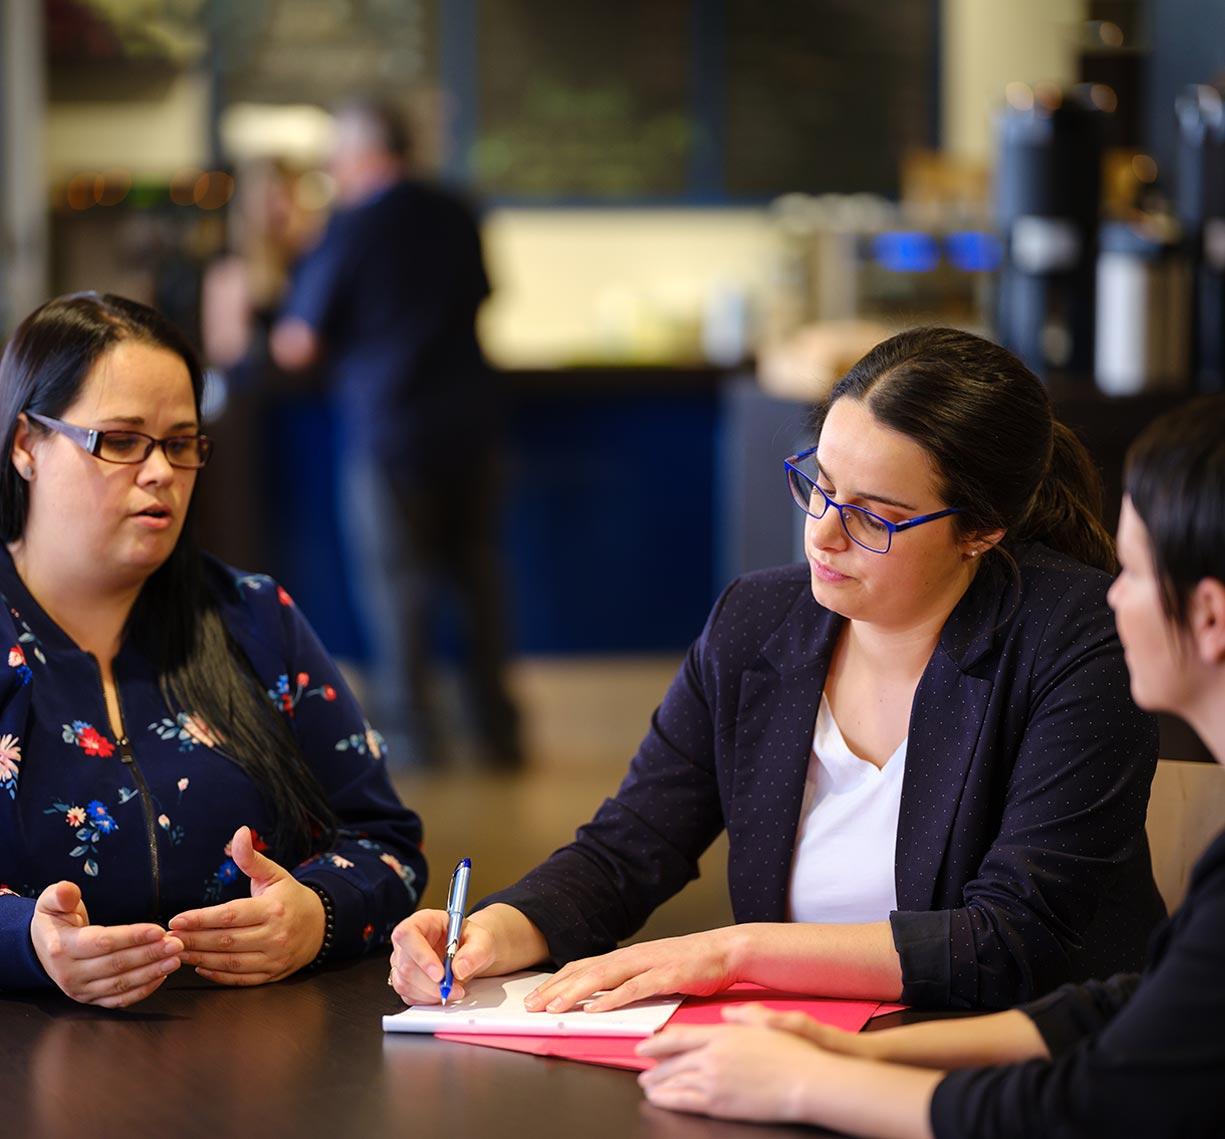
(493, 1006)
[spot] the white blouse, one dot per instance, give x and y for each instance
(842, 870)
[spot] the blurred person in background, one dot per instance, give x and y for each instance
(386, 303)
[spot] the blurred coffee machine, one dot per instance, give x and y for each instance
(1200, 206)
(1048, 185)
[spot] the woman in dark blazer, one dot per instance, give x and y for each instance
(951, 618)
(1135, 1055)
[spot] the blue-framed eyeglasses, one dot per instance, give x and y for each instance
(188, 452)
(864, 528)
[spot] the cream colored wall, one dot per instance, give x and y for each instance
(615, 285)
(988, 43)
(150, 139)
(608, 284)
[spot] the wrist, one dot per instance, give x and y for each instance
(324, 926)
(738, 943)
(515, 941)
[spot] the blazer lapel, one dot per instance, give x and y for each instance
(945, 721)
(777, 710)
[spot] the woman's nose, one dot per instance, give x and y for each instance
(826, 532)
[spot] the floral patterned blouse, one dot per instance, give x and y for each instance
(143, 824)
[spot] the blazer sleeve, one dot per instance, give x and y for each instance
(1066, 882)
(1149, 1063)
(374, 872)
(644, 843)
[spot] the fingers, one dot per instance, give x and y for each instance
(262, 871)
(796, 1023)
(575, 982)
(418, 946)
(230, 915)
(239, 968)
(675, 1041)
(127, 988)
(246, 938)
(616, 972)
(63, 900)
(113, 966)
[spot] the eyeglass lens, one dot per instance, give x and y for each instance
(190, 451)
(859, 525)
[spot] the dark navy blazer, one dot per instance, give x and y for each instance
(1021, 859)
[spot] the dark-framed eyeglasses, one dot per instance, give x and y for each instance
(188, 452)
(863, 527)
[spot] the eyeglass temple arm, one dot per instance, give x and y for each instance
(88, 437)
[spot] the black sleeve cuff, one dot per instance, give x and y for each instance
(922, 940)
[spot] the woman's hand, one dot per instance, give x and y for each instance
(266, 937)
(698, 964)
(493, 941)
(825, 1036)
(730, 1071)
(113, 966)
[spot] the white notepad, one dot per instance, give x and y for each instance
(494, 1006)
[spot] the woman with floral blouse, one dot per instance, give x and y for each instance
(184, 777)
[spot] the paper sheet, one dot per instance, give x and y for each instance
(848, 1015)
(493, 1006)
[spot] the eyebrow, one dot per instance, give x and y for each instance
(867, 496)
(139, 421)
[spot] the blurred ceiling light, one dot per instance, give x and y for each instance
(1048, 96)
(115, 187)
(80, 192)
(183, 186)
(213, 189)
(1020, 96)
(1144, 168)
(299, 133)
(1103, 97)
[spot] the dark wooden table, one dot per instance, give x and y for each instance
(306, 1057)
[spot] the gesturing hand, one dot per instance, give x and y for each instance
(270, 935)
(109, 965)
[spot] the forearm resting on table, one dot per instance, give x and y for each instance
(863, 1097)
(966, 1042)
(857, 961)
(517, 942)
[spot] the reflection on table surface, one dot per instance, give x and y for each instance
(304, 1057)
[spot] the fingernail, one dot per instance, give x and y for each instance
(170, 965)
(171, 948)
(555, 1005)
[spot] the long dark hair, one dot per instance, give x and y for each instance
(1175, 479)
(986, 420)
(176, 618)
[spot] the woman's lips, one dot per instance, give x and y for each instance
(154, 518)
(824, 573)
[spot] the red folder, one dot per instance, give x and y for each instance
(619, 1052)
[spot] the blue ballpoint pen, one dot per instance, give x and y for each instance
(457, 902)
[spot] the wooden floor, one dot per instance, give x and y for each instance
(583, 720)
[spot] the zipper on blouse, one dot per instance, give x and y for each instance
(128, 756)
(146, 803)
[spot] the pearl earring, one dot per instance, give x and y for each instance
(28, 472)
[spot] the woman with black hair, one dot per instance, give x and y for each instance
(1134, 1055)
(920, 742)
(184, 776)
